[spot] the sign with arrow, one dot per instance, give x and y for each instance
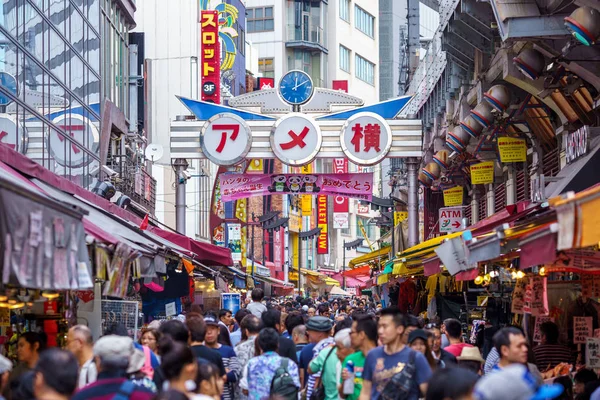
(451, 219)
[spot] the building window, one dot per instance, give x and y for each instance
(344, 59)
(365, 70)
(345, 10)
(266, 67)
(260, 19)
(364, 21)
(369, 229)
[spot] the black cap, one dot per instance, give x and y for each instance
(417, 334)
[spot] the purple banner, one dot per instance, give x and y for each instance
(241, 186)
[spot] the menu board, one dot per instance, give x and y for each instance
(582, 329)
(592, 353)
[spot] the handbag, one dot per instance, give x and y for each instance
(319, 392)
(399, 387)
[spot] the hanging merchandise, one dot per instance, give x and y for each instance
(119, 271)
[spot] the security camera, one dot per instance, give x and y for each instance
(184, 176)
(110, 172)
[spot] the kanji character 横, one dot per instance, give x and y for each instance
(358, 135)
(372, 137)
(297, 140)
(235, 130)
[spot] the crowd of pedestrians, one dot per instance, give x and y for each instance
(288, 350)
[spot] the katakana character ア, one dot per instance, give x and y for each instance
(235, 130)
(372, 137)
(70, 129)
(297, 140)
(358, 135)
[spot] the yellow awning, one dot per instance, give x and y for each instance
(383, 278)
(583, 208)
(322, 277)
(424, 249)
(331, 281)
(365, 258)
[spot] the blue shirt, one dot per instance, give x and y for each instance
(261, 371)
(380, 367)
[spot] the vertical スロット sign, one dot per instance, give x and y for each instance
(210, 56)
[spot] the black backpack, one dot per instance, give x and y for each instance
(283, 384)
(399, 387)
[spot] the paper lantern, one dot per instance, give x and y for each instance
(471, 126)
(424, 179)
(432, 170)
(498, 97)
(483, 114)
(458, 139)
(441, 159)
(531, 63)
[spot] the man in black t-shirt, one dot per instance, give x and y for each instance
(197, 328)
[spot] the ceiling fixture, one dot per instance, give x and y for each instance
(531, 63)
(498, 97)
(584, 25)
(471, 126)
(483, 114)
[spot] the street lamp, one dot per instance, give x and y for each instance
(303, 236)
(263, 219)
(349, 246)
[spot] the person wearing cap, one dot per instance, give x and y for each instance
(5, 367)
(443, 358)
(197, 333)
(56, 375)
(318, 330)
(471, 359)
(514, 382)
(389, 360)
(113, 354)
(418, 340)
(230, 361)
(81, 343)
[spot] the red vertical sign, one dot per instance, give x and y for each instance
(340, 85)
(210, 73)
(340, 203)
(322, 242)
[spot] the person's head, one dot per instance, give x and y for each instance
(29, 346)
(251, 325)
(453, 328)
(470, 358)
(80, 341)
(171, 394)
(451, 384)
(436, 332)
(567, 384)
(113, 353)
(345, 323)
(549, 333)
(208, 380)
(240, 314)
(293, 320)
(176, 330)
(299, 334)
(318, 328)
(391, 325)
(511, 345)
(311, 312)
(212, 330)
(272, 319)
(196, 326)
(582, 377)
(343, 344)
(150, 338)
(323, 310)
(514, 382)
(226, 317)
(22, 387)
(417, 340)
(257, 294)
(364, 330)
(268, 340)
(335, 306)
(56, 374)
(410, 324)
(178, 363)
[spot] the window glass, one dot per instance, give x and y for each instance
(364, 21)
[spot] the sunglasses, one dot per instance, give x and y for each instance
(431, 326)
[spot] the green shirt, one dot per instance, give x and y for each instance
(358, 359)
(330, 378)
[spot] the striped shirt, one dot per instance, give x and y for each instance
(230, 361)
(550, 355)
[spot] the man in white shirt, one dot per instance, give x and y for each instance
(257, 307)
(81, 343)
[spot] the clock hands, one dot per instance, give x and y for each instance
(297, 86)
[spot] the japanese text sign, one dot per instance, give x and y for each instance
(537, 334)
(322, 243)
(226, 139)
(512, 149)
(366, 138)
(296, 139)
(539, 296)
(306, 200)
(453, 196)
(482, 173)
(341, 204)
(518, 296)
(450, 219)
(582, 329)
(241, 186)
(592, 353)
(210, 57)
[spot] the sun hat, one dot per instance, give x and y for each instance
(470, 354)
(514, 382)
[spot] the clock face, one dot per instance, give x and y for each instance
(296, 87)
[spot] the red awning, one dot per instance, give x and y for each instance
(350, 281)
(509, 214)
(364, 271)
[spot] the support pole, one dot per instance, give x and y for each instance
(299, 265)
(344, 267)
(413, 202)
(180, 165)
(253, 246)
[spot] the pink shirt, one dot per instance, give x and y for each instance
(456, 349)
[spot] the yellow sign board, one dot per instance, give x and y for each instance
(307, 200)
(512, 149)
(295, 222)
(293, 276)
(482, 301)
(453, 196)
(399, 216)
(482, 173)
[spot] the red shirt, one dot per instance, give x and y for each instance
(456, 349)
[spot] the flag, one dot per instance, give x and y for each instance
(144, 224)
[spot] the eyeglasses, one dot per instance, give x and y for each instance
(431, 326)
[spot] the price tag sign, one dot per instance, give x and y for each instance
(592, 353)
(170, 309)
(582, 329)
(453, 196)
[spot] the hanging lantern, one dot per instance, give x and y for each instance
(424, 179)
(432, 170)
(458, 139)
(483, 114)
(441, 159)
(471, 126)
(498, 97)
(531, 63)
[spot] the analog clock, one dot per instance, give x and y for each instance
(296, 87)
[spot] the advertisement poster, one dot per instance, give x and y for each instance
(240, 186)
(482, 173)
(234, 241)
(453, 196)
(322, 242)
(341, 204)
(231, 302)
(210, 57)
(512, 149)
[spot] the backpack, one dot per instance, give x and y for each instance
(399, 387)
(147, 367)
(283, 384)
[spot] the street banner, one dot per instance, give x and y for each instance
(399, 216)
(453, 196)
(341, 204)
(482, 173)
(322, 242)
(512, 149)
(306, 200)
(241, 186)
(234, 241)
(210, 57)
